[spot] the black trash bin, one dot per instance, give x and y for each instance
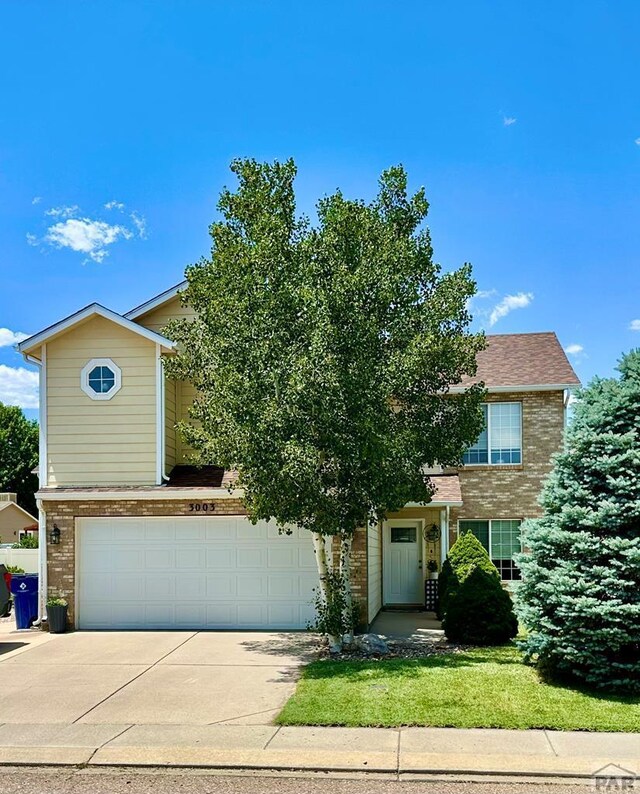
(5, 593)
(24, 587)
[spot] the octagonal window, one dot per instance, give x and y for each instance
(100, 379)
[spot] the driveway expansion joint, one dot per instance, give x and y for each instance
(240, 717)
(105, 743)
(273, 736)
(135, 678)
(548, 738)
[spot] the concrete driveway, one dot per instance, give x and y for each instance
(169, 677)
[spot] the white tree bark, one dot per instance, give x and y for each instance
(335, 643)
(346, 541)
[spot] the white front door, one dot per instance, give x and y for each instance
(402, 562)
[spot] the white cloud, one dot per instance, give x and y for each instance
(18, 386)
(139, 221)
(9, 338)
(508, 120)
(87, 236)
(573, 350)
(36, 199)
(62, 212)
(474, 300)
(637, 141)
(634, 325)
(508, 304)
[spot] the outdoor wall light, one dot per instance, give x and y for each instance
(54, 537)
(432, 533)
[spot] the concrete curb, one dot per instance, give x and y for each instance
(407, 754)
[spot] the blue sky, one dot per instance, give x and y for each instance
(522, 120)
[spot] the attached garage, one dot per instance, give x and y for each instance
(192, 573)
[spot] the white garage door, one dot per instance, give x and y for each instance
(193, 573)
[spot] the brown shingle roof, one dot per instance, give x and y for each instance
(523, 360)
(200, 477)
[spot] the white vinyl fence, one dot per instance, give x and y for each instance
(23, 558)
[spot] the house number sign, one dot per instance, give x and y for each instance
(202, 507)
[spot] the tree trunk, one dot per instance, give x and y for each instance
(346, 540)
(335, 643)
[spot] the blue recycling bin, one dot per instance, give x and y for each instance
(24, 587)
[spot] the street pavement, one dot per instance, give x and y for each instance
(20, 781)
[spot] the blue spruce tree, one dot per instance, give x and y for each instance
(580, 594)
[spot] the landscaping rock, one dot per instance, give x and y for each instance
(371, 645)
(397, 648)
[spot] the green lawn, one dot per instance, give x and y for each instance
(480, 688)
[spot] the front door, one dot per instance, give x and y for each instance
(402, 562)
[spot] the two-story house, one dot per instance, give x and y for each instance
(134, 537)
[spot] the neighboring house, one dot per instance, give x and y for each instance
(15, 521)
(137, 538)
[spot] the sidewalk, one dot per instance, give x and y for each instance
(405, 753)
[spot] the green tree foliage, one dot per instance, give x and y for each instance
(18, 456)
(322, 355)
(580, 595)
(476, 608)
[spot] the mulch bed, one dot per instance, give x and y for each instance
(398, 649)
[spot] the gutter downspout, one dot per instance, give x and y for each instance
(567, 399)
(42, 479)
(163, 427)
(42, 562)
(444, 539)
(161, 414)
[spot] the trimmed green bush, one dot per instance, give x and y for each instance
(443, 583)
(29, 541)
(580, 591)
(476, 609)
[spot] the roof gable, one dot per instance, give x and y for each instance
(93, 310)
(521, 361)
(16, 506)
(154, 303)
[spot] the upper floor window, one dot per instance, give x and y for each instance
(501, 440)
(501, 539)
(100, 379)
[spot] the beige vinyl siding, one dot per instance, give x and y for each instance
(170, 455)
(186, 396)
(156, 320)
(374, 565)
(108, 442)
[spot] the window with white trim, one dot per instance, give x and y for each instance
(101, 379)
(501, 539)
(500, 443)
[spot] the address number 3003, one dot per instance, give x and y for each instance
(202, 507)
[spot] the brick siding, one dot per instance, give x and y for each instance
(487, 492)
(61, 557)
(513, 491)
